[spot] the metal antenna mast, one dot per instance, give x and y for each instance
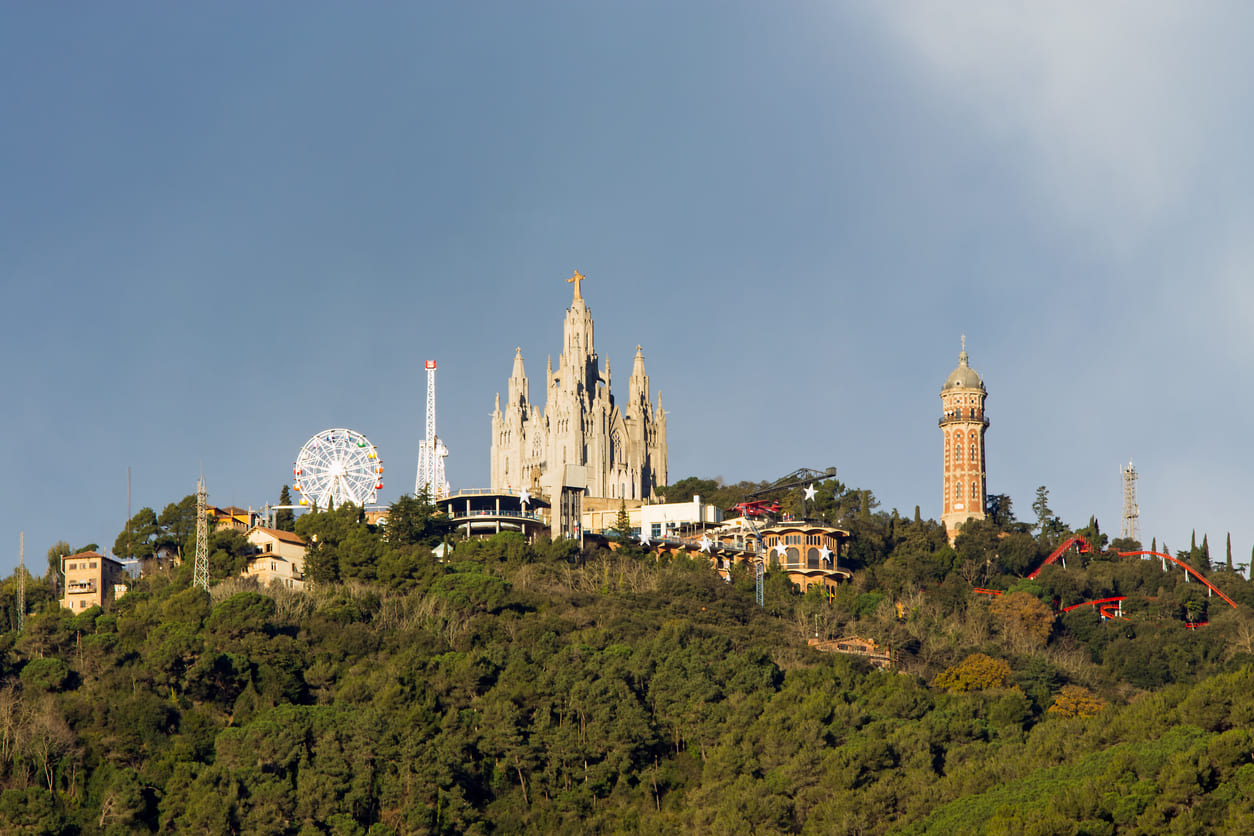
(200, 575)
(431, 450)
(21, 581)
(1131, 513)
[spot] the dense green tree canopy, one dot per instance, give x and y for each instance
(534, 687)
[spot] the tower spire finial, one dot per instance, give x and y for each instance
(962, 356)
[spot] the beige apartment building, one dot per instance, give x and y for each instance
(280, 558)
(91, 580)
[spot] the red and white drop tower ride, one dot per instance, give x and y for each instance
(431, 450)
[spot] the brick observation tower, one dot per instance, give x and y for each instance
(963, 424)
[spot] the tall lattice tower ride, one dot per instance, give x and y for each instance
(431, 450)
(200, 574)
(1131, 527)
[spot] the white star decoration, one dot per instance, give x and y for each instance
(706, 542)
(780, 548)
(523, 497)
(644, 539)
(810, 492)
(825, 554)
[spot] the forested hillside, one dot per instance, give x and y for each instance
(517, 688)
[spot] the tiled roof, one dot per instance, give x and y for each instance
(285, 536)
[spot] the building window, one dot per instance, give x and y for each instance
(657, 529)
(975, 487)
(957, 490)
(93, 564)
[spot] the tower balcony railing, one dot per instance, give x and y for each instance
(961, 417)
(525, 515)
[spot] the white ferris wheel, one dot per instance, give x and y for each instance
(338, 466)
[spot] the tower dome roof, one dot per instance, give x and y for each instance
(964, 376)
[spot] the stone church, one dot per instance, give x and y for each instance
(617, 453)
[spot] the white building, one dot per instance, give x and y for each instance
(669, 519)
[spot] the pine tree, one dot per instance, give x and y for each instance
(622, 525)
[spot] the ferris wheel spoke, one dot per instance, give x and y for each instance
(339, 465)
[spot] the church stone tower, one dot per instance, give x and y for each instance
(622, 451)
(963, 424)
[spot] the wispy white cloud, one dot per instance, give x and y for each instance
(1109, 108)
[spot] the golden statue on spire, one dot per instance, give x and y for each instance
(577, 278)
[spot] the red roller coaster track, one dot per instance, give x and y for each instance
(1082, 547)
(1108, 607)
(1187, 568)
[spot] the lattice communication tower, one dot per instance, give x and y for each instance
(1131, 528)
(431, 450)
(21, 581)
(200, 575)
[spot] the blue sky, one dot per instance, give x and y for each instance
(225, 227)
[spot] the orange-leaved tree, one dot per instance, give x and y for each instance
(1076, 701)
(974, 673)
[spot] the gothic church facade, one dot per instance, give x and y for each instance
(622, 450)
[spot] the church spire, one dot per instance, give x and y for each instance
(638, 385)
(518, 387)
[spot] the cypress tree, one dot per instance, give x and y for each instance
(1230, 551)
(285, 519)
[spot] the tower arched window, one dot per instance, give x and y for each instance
(958, 453)
(957, 490)
(975, 490)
